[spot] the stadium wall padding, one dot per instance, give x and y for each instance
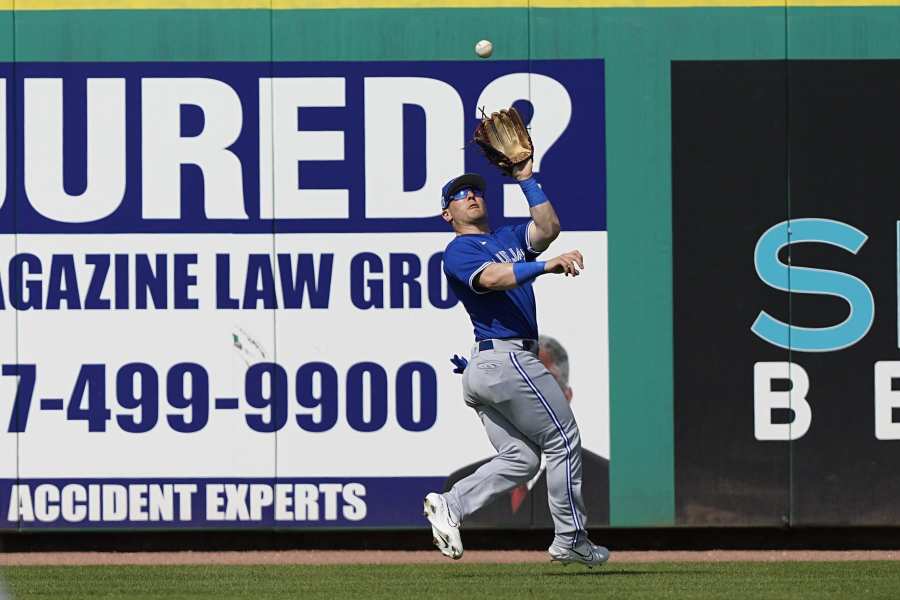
(722, 474)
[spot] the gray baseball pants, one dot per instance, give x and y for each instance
(524, 413)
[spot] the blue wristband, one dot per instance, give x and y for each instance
(533, 192)
(527, 271)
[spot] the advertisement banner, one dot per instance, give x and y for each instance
(225, 284)
(787, 255)
(728, 186)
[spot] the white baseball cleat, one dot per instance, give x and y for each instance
(445, 531)
(586, 553)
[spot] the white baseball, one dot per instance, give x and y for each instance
(484, 48)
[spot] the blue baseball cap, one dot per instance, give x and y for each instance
(471, 180)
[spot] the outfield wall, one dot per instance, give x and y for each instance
(220, 258)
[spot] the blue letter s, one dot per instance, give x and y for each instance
(805, 280)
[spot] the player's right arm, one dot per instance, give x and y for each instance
(505, 276)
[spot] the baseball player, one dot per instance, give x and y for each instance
(522, 408)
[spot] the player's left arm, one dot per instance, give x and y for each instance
(544, 226)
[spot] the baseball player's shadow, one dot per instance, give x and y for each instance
(611, 573)
(600, 572)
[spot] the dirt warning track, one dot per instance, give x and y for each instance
(326, 557)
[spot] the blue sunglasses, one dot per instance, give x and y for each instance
(463, 192)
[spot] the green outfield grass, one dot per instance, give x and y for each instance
(735, 581)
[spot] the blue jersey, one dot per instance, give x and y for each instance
(501, 314)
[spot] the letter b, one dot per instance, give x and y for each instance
(765, 400)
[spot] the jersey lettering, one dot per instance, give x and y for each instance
(494, 314)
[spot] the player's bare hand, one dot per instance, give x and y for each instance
(570, 263)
